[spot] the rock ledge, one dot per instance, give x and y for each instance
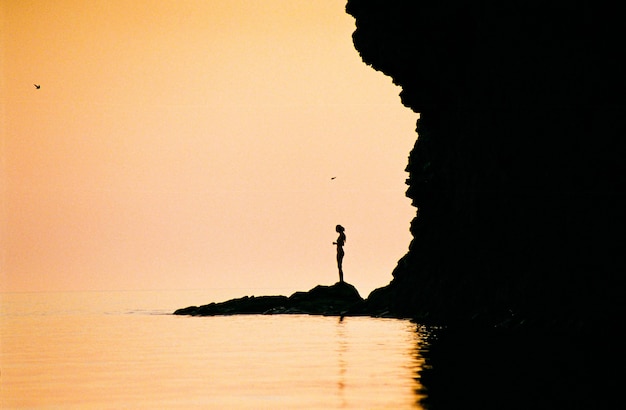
(341, 298)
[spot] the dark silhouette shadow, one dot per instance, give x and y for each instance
(503, 369)
(518, 176)
(518, 171)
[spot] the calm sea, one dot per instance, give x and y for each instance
(125, 350)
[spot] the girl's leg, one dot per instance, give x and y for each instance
(339, 263)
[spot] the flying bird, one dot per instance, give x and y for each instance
(333, 178)
(37, 86)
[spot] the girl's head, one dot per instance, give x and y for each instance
(339, 228)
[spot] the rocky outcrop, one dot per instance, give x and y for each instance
(339, 299)
(518, 173)
(239, 306)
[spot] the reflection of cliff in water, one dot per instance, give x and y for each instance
(469, 369)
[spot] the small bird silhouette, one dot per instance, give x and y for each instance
(333, 178)
(37, 86)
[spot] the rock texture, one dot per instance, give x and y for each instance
(518, 173)
(339, 299)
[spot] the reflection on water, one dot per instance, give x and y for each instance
(411, 359)
(342, 349)
(112, 350)
(522, 369)
(123, 350)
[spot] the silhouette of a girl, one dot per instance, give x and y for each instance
(341, 240)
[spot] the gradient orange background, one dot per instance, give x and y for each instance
(191, 144)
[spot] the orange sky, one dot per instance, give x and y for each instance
(190, 144)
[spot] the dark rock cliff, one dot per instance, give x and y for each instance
(518, 172)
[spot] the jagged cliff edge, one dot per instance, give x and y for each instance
(518, 172)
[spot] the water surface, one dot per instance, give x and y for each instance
(111, 350)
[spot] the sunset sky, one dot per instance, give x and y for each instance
(190, 144)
